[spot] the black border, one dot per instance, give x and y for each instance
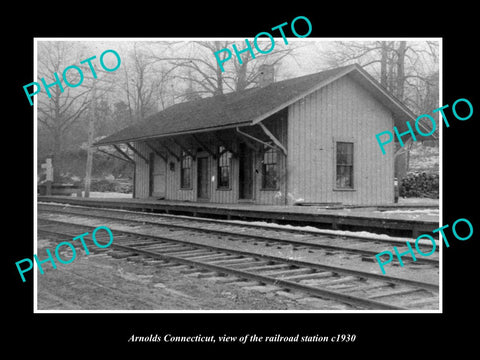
(377, 334)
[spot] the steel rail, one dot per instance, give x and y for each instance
(332, 295)
(385, 278)
(233, 223)
(248, 236)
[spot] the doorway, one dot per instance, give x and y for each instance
(245, 173)
(203, 183)
(158, 170)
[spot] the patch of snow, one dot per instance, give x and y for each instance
(411, 211)
(359, 234)
(97, 194)
(415, 200)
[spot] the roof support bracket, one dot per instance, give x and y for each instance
(250, 144)
(115, 156)
(155, 150)
(184, 149)
(404, 148)
(225, 145)
(124, 154)
(273, 138)
(203, 146)
(254, 138)
(137, 152)
(169, 151)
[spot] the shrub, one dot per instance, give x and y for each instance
(102, 185)
(125, 188)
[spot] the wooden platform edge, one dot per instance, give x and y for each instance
(411, 228)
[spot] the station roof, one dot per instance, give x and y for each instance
(250, 106)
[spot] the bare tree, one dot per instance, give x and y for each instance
(194, 60)
(400, 66)
(142, 83)
(198, 67)
(60, 113)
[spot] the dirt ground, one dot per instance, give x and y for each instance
(112, 280)
(103, 282)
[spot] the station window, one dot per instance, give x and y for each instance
(344, 166)
(186, 171)
(223, 169)
(269, 170)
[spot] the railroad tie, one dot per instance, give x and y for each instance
(279, 273)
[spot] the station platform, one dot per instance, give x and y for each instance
(395, 220)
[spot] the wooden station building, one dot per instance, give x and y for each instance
(308, 139)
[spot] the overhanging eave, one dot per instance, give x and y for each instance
(158, 136)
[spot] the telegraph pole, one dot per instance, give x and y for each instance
(91, 130)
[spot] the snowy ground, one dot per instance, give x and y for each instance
(413, 212)
(96, 194)
(416, 201)
(360, 234)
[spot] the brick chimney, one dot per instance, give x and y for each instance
(266, 75)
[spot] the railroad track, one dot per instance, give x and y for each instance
(330, 243)
(361, 290)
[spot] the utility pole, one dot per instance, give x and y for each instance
(91, 130)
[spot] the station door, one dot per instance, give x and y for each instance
(158, 170)
(203, 183)
(246, 173)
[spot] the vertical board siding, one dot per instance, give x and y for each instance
(142, 180)
(341, 111)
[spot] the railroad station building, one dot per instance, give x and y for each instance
(308, 139)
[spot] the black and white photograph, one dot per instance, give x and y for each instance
(255, 183)
(268, 185)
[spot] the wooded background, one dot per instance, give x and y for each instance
(156, 74)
